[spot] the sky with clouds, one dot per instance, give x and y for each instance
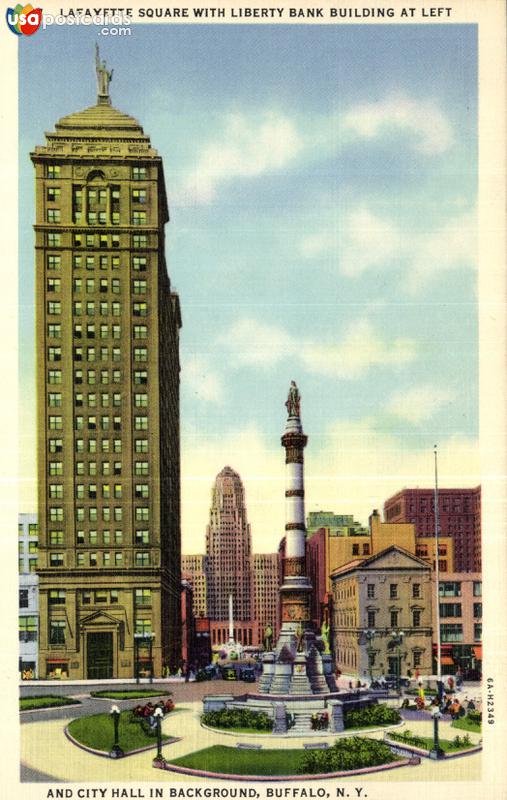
(322, 190)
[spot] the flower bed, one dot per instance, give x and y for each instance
(371, 716)
(426, 742)
(239, 719)
(349, 753)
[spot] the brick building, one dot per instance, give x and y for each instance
(460, 519)
(266, 583)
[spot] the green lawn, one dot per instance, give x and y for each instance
(130, 694)
(97, 731)
(465, 724)
(45, 701)
(230, 760)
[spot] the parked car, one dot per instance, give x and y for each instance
(247, 674)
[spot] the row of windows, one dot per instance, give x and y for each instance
(142, 559)
(91, 399)
(107, 491)
(140, 377)
(54, 262)
(394, 617)
(137, 173)
(142, 514)
(139, 241)
(54, 308)
(393, 590)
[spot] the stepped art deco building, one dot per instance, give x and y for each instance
(107, 327)
(229, 550)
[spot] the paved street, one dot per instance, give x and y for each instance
(47, 755)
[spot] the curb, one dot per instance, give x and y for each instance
(200, 773)
(48, 708)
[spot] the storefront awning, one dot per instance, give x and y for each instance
(478, 652)
(447, 660)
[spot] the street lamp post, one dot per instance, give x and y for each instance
(116, 751)
(370, 635)
(158, 714)
(397, 637)
(436, 752)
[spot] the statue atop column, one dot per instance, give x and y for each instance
(293, 403)
(104, 77)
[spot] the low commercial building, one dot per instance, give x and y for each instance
(382, 609)
(460, 624)
(28, 543)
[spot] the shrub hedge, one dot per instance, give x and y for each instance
(371, 715)
(238, 718)
(352, 752)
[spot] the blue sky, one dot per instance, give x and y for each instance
(322, 188)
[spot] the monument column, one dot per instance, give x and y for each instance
(296, 587)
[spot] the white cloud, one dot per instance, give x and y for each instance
(252, 343)
(201, 381)
(423, 119)
(359, 348)
(248, 146)
(350, 468)
(418, 403)
(367, 241)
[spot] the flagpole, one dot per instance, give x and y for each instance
(437, 570)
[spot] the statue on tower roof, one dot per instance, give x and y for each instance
(293, 403)
(104, 77)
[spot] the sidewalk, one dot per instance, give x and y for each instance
(45, 748)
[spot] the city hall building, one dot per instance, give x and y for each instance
(107, 328)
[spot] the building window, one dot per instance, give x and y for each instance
(142, 491)
(140, 377)
(139, 196)
(23, 598)
(141, 468)
(54, 307)
(53, 215)
(140, 309)
(141, 400)
(478, 610)
(142, 537)
(57, 632)
(56, 559)
(393, 590)
(450, 609)
(416, 662)
(139, 263)
(53, 171)
(394, 619)
(416, 590)
(478, 632)
(143, 627)
(416, 618)
(118, 557)
(56, 538)
(451, 632)
(54, 240)
(142, 559)
(477, 588)
(370, 590)
(142, 597)
(56, 514)
(139, 173)
(55, 331)
(450, 589)
(93, 559)
(140, 353)
(54, 261)
(27, 629)
(371, 619)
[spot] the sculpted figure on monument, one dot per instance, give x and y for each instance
(104, 77)
(293, 400)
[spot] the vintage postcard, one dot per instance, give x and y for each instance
(260, 416)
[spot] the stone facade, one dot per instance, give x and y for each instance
(196, 568)
(107, 327)
(266, 583)
(387, 593)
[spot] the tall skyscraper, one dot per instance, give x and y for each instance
(107, 326)
(229, 549)
(460, 518)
